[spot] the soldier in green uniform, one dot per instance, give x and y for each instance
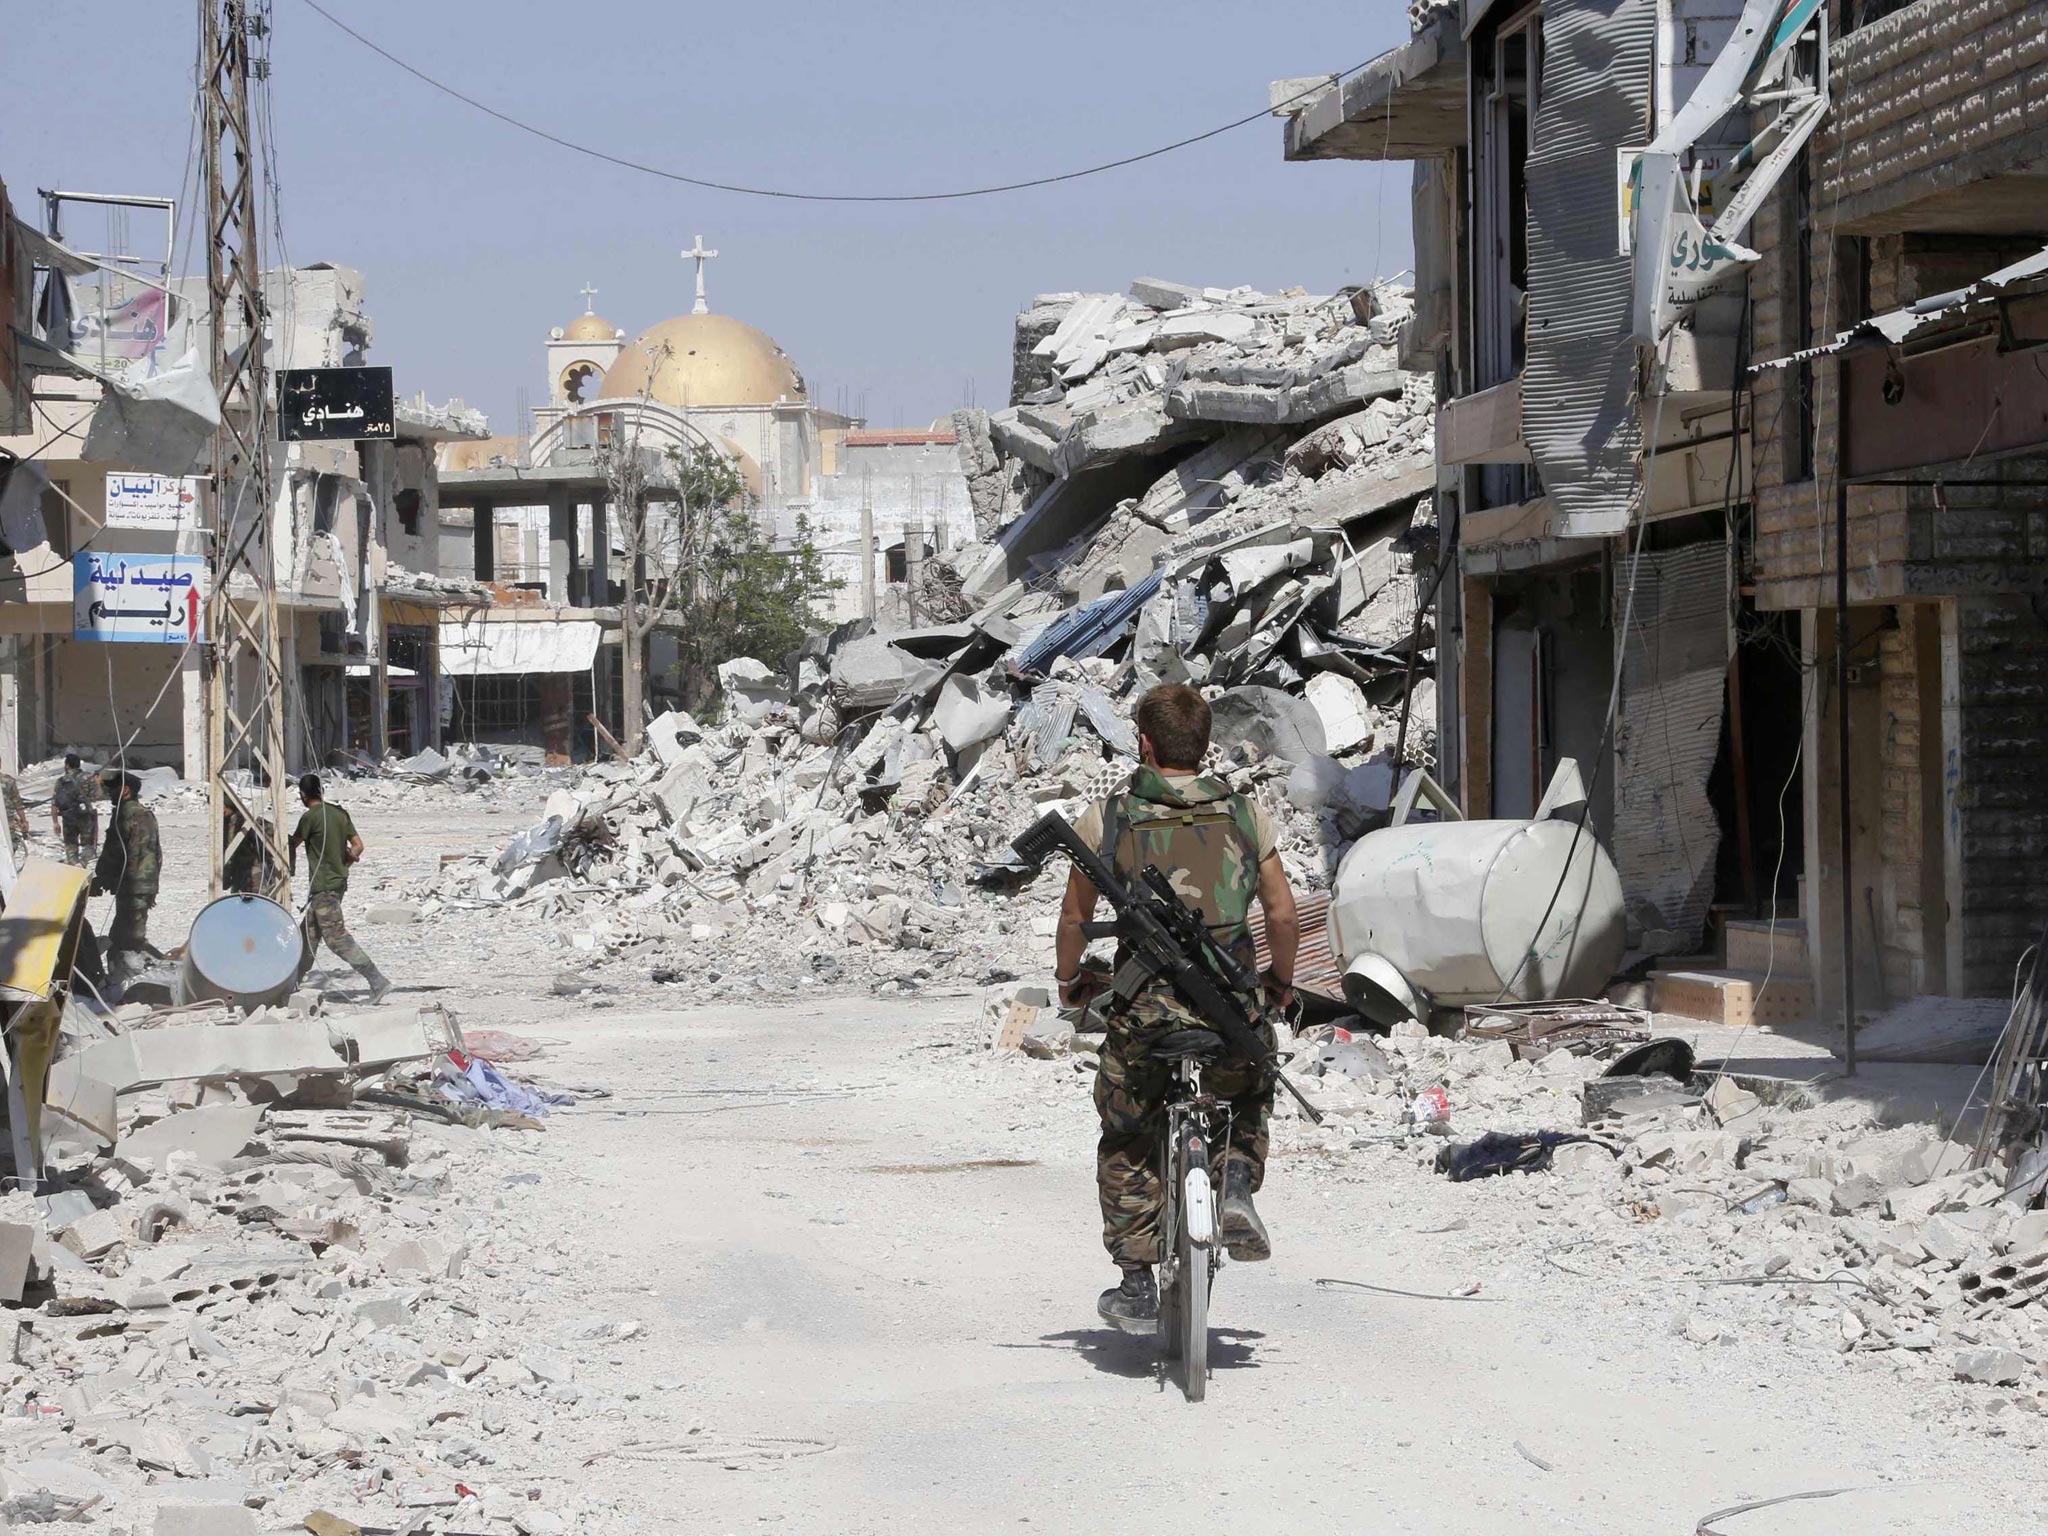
(1217, 848)
(74, 813)
(17, 815)
(129, 863)
(328, 835)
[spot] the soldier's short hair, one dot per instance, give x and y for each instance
(309, 786)
(71, 760)
(1175, 719)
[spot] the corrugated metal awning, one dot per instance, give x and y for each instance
(1895, 327)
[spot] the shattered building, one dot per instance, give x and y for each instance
(353, 528)
(1638, 229)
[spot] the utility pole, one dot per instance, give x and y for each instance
(867, 543)
(244, 695)
(913, 562)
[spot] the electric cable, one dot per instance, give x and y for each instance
(790, 195)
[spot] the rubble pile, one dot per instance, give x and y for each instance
(1218, 487)
(1744, 1204)
(747, 858)
(261, 1304)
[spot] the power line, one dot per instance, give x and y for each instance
(819, 197)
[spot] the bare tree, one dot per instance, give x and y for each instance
(665, 510)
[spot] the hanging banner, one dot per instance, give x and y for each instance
(164, 502)
(335, 405)
(146, 598)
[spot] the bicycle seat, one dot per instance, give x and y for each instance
(1188, 1045)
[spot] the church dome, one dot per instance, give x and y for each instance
(589, 328)
(703, 360)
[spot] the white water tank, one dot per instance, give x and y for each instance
(1446, 913)
(245, 950)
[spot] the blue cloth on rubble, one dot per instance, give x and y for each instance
(472, 1080)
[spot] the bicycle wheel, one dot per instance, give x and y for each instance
(1192, 1315)
(1169, 1310)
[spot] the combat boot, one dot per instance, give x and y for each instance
(1244, 1235)
(1134, 1305)
(380, 985)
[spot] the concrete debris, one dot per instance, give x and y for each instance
(249, 1314)
(1840, 1233)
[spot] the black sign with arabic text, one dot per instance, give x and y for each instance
(328, 404)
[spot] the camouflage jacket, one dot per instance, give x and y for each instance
(131, 856)
(72, 799)
(1204, 838)
(17, 808)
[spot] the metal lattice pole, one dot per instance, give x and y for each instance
(244, 697)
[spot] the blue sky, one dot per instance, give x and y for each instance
(474, 239)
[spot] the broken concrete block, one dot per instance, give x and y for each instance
(1348, 721)
(17, 1250)
(868, 673)
(204, 1520)
(91, 1236)
(212, 1135)
(968, 712)
(2029, 1231)
(1161, 294)
(1916, 1203)
(1730, 1101)
(1276, 723)
(1992, 1367)
(392, 912)
(1946, 1241)
(1855, 1194)
(752, 691)
(669, 733)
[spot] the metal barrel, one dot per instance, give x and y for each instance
(245, 950)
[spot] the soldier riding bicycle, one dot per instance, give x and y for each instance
(1216, 847)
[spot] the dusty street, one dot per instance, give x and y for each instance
(861, 1254)
(849, 1233)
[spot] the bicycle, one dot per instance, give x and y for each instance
(1190, 1250)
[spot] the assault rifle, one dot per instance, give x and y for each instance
(1163, 940)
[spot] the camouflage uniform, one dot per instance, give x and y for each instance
(324, 923)
(17, 816)
(72, 800)
(129, 863)
(1208, 842)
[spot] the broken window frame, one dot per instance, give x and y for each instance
(1503, 136)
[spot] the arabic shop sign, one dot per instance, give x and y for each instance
(335, 404)
(154, 599)
(163, 502)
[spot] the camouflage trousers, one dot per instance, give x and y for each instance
(1130, 1098)
(130, 931)
(325, 924)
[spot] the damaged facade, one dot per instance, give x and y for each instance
(353, 527)
(1624, 215)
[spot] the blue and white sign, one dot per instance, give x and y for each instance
(158, 599)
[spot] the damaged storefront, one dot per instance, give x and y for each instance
(1592, 493)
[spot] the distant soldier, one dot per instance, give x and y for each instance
(329, 837)
(130, 861)
(74, 812)
(17, 813)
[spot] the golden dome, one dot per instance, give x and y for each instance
(589, 328)
(703, 360)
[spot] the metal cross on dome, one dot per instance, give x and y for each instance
(589, 299)
(698, 254)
